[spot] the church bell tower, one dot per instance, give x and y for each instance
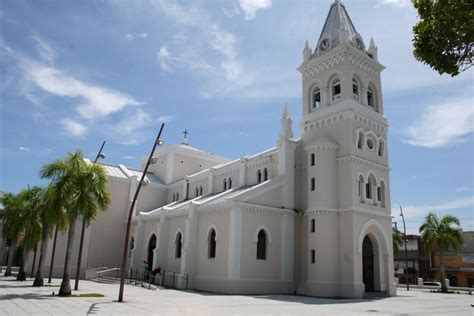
(345, 179)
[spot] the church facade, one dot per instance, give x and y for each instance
(309, 216)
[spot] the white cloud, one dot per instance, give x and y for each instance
(165, 59)
(168, 62)
(97, 101)
(199, 54)
(130, 36)
(46, 52)
(463, 189)
(129, 157)
(24, 148)
(393, 3)
(414, 211)
(130, 128)
(250, 7)
(448, 122)
(73, 128)
(165, 118)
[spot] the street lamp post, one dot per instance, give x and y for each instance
(158, 141)
(406, 253)
(78, 270)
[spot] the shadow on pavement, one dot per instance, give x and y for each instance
(94, 309)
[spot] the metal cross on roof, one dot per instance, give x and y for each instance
(185, 141)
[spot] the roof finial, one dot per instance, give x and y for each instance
(185, 140)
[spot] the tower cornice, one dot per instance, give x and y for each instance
(340, 54)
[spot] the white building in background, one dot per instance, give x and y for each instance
(311, 215)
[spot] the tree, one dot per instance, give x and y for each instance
(397, 239)
(438, 234)
(51, 214)
(444, 36)
(83, 190)
(30, 224)
(11, 227)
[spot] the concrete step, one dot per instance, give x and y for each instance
(374, 295)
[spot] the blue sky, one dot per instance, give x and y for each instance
(75, 73)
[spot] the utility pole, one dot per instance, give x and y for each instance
(151, 160)
(406, 253)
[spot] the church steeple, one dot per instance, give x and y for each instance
(338, 27)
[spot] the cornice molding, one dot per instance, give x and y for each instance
(364, 162)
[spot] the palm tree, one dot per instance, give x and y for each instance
(397, 239)
(10, 224)
(438, 234)
(94, 197)
(30, 224)
(51, 214)
(83, 190)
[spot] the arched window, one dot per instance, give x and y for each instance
(313, 159)
(200, 190)
(174, 196)
(371, 98)
(225, 184)
(197, 191)
(178, 245)
(316, 98)
(212, 243)
(259, 176)
(177, 196)
(132, 246)
(369, 187)
(355, 88)
(230, 183)
(336, 89)
(361, 183)
(360, 143)
(381, 194)
(151, 249)
(381, 148)
(265, 174)
(261, 245)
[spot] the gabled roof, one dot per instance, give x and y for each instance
(338, 19)
(120, 171)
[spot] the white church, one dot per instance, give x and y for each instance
(309, 216)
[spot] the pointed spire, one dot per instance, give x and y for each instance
(286, 131)
(285, 113)
(373, 49)
(306, 52)
(338, 25)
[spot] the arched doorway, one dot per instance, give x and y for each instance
(368, 271)
(151, 248)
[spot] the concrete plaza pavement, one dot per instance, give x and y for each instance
(20, 298)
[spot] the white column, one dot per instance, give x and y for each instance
(235, 243)
(211, 182)
(138, 251)
(287, 259)
(243, 163)
(169, 167)
(188, 258)
(156, 250)
(162, 244)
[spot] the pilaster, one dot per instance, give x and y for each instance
(235, 244)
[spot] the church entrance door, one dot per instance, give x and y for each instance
(151, 248)
(368, 265)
